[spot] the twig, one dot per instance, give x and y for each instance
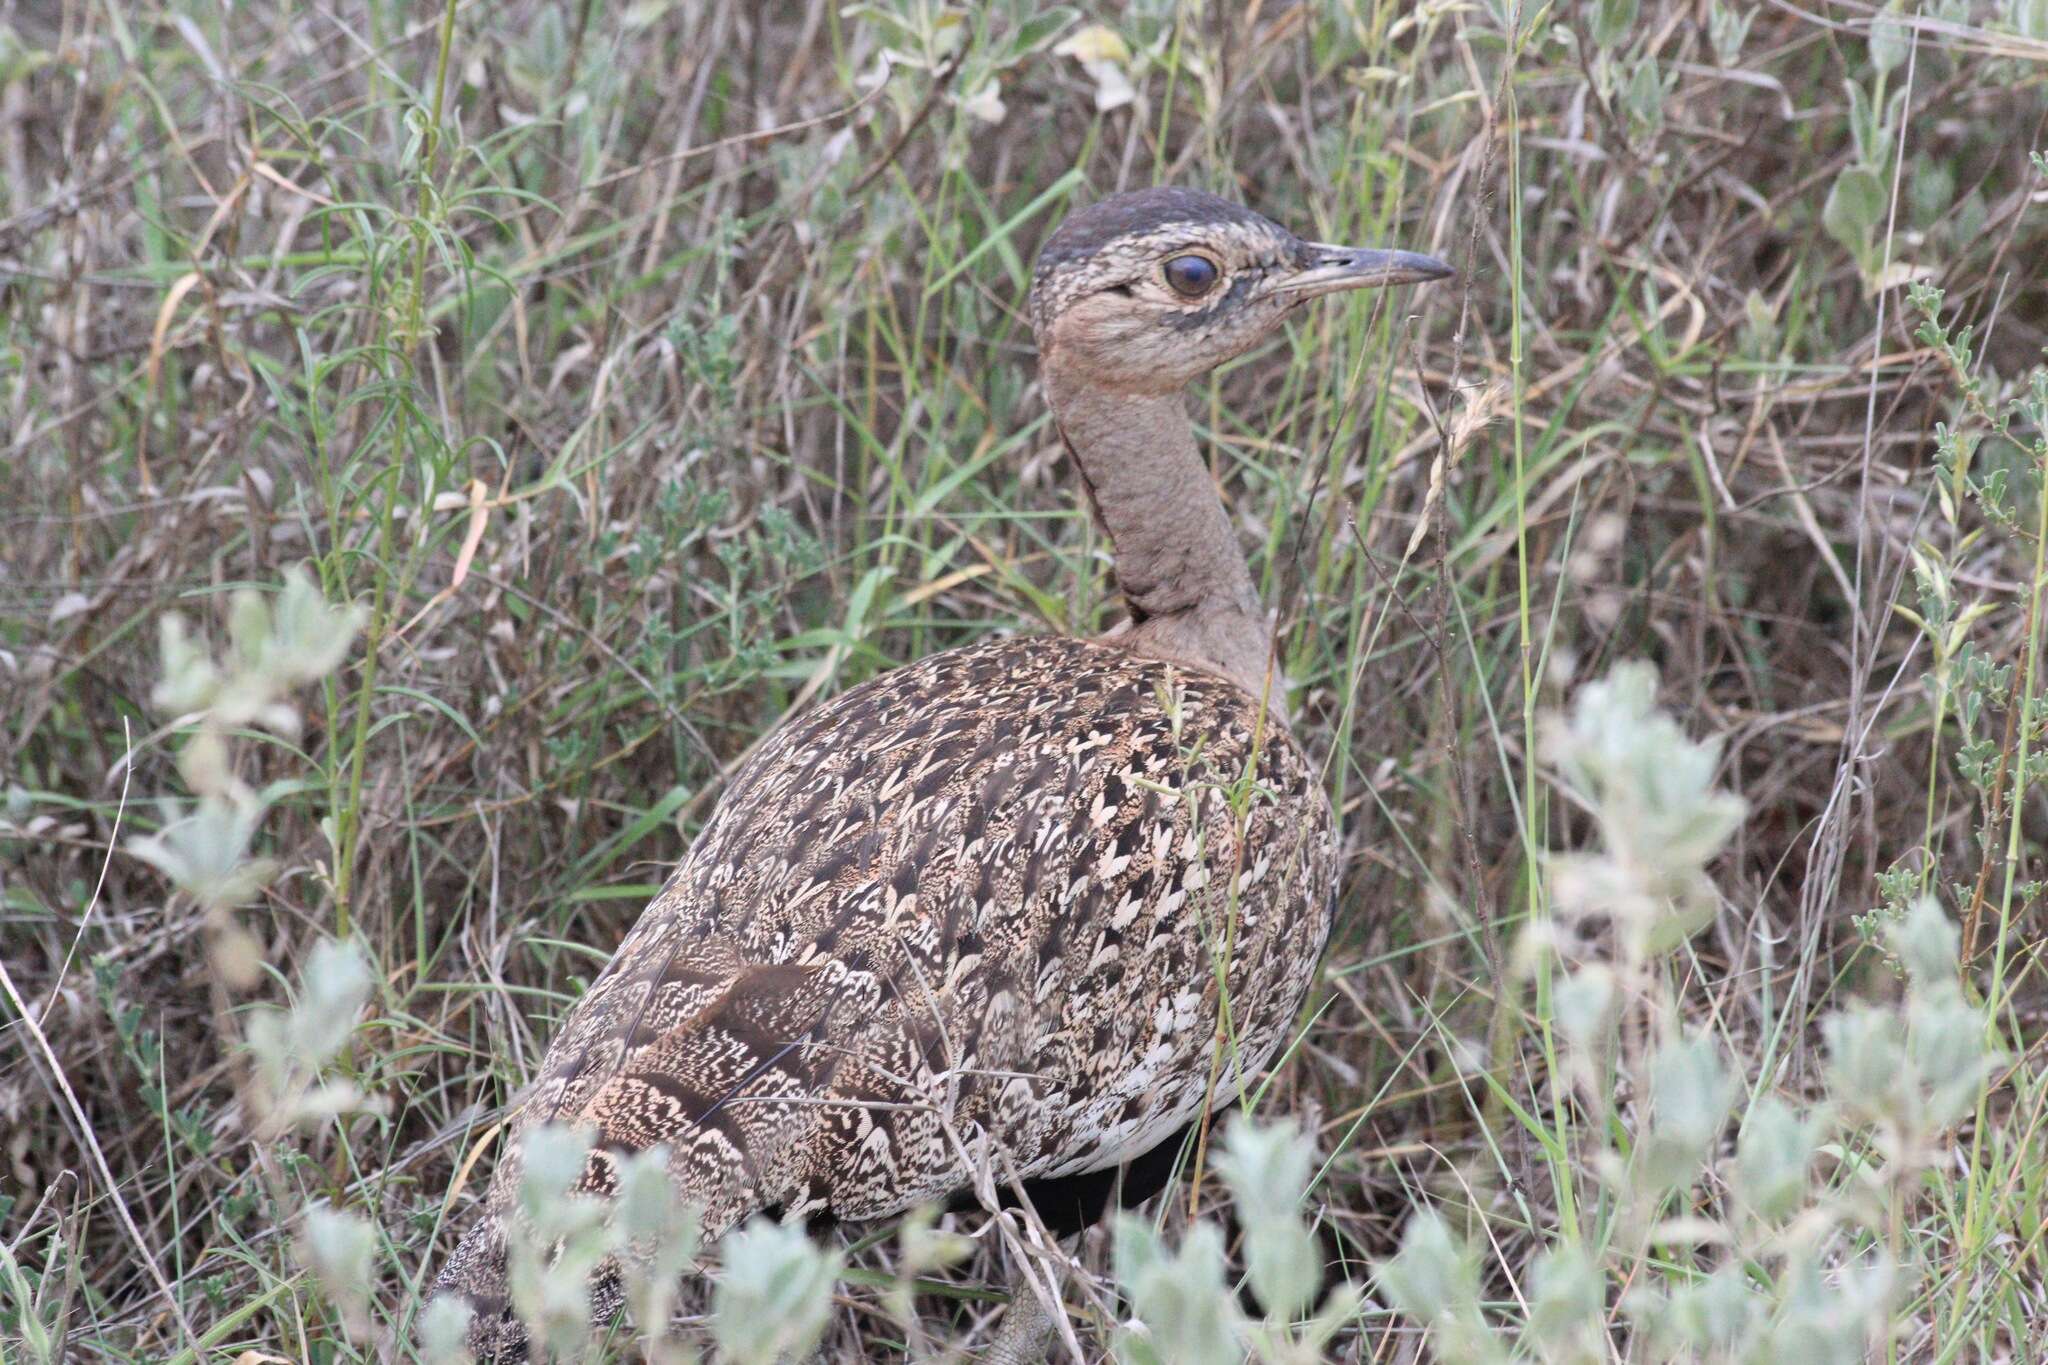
(940, 80)
(127, 771)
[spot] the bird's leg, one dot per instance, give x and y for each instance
(1027, 1328)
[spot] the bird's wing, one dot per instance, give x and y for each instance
(983, 896)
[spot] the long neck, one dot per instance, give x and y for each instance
(1177, 560)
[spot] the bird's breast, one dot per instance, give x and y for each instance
(1036, 871)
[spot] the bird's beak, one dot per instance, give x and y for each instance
(1332, 268)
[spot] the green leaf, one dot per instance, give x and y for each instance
(1266, 1165)
(553, 1158)
(1947, 1044)
(444, 1330)
(1867, 1065)
(337, 980)
(1040, 29)
(1570, 1296)
(206, 854)
(1889, 39)
(1612, 19)
(339, 1248)
(1180, 1297)
(1582, 1004)
(190, 677)
(1690, 1091)
(1432, 1274)
(775, 1296)
(1713, 1317)
(1925, 941)
(1855, 207)
(1771, 1157)
(309, 638)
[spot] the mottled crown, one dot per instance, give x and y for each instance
(1111, 242)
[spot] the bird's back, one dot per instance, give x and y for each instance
(982, 897)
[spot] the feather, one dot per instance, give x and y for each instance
(999, 896)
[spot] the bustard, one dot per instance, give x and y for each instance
(1013, 896)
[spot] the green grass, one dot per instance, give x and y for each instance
(717, 350)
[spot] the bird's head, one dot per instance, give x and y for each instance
(1147, 290)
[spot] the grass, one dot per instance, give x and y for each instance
(644, 373)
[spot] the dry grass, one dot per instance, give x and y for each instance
(657, 372)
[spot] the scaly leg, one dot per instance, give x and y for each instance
(1026, 1331)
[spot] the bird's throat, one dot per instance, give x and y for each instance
(1178, 564)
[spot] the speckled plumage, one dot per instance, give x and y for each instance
(991, 889)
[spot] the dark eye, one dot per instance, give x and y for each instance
(1191, 276)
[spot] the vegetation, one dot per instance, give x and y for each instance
(442, 440)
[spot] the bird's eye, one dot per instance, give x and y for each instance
(1191, 276)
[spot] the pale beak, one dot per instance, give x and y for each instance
(1332, 268)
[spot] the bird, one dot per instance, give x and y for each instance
(1044, 896)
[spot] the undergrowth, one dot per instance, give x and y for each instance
(522, 408)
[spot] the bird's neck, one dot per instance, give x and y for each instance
(1178, 564)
